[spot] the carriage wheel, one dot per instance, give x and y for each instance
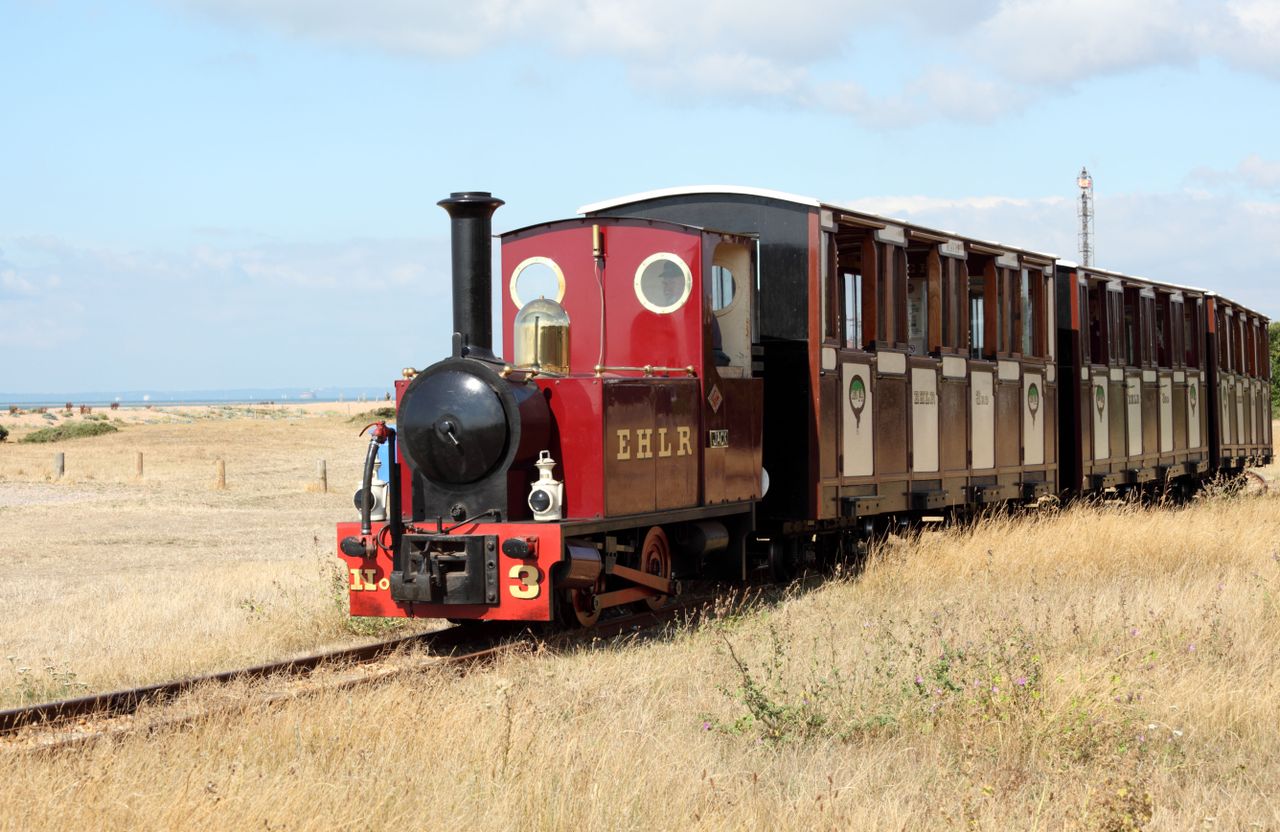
(655, 558)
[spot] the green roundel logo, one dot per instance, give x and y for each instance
(1099, 398)
(1033, 399)
(1191, 391)
(857, 394)
(857, 398)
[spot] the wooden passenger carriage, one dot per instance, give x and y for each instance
(906, 369)
(1135, 354)
(1240, 386)
(1164, 378)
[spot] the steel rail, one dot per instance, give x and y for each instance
(50, 715)
(129, 700)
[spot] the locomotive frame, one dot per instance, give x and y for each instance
(732, 377)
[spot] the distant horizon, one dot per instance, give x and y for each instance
(331, 393)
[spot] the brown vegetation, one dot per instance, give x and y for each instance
(110, 580)
(1101, 668)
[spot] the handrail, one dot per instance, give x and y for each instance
(649, 370)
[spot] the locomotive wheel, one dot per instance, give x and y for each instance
(655, 559)
(580, 607)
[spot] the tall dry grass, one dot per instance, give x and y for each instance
(1101, 668)
(107, 580)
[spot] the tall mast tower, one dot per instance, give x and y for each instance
(1085, 181)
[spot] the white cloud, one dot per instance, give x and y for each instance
(1058, 42)
(1209, 240)
(1250, 38)
(1260, 173)
(1252, 173)
(983, 58)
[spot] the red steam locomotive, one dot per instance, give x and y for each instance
(678, 401)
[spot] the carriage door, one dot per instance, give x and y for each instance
(852, 327)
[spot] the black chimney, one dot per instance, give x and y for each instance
(471, 212)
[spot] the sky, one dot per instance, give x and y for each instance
(204, 194)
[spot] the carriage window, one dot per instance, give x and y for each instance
(1130, 336)
(1147, 306)
(977, 323)
(1115, 317)
(663, 283)
(1191, 334)
(852, 310)
(917, 307)
(1224, 342)
(1264, 350)
(831, 290)
(1174, 348)
(1082, 301)
(1233, 349)
(1028, 314)
(1246, 346)
(952, 301)
(896, 257)
(1253, 350)
(1098, 323)
(1050, 316)
(536, 277)
(1255, 355)
(1008, 312)
(1262, 341)
(1242, 328)
(1162, 330)
(1238, 330)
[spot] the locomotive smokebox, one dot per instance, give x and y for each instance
(472, 212)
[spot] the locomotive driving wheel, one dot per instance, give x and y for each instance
(580, 607)
(655, 559)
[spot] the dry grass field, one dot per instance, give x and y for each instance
(1100, 668)
(109, 580)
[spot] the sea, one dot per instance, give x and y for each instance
(143, 398)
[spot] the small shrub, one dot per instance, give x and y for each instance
(78, 430)
(4, 433)
(374, 415)
(46, 684)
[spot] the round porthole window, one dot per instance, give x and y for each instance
(663, 283)
(536, 277)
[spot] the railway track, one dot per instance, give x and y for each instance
(71, 722)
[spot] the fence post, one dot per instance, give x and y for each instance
(137, 464)
(220, 475)
(59, 465)
(322, 476)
